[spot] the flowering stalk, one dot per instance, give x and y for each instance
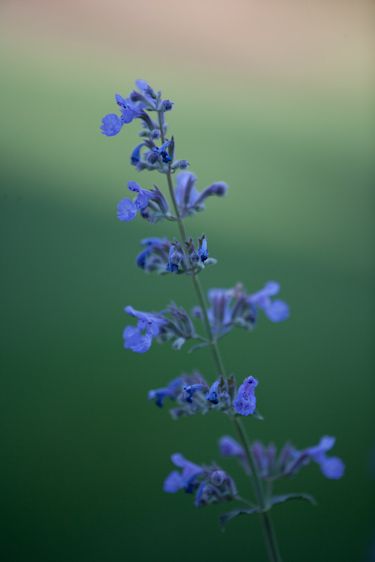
(227, 309)
(269, 534)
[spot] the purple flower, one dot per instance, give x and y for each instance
(203, 249)
(171, 391)
(228, 308)
(147, 91)
(245, 401)
(166, 105)
(331, 467)
(187, 390)
(151, 204)
(126, 210)
(218, 394)
(229, 447)
(129, 109)
(154, 257)
(217, 486)
(264, 457)
(135, 156)
(289, 461)
(191, 389)
(211, 483)
(276, 310)
(164, 152)
(170, 325)
(188, 199)
(184, 480)
(139, 338)
(111, 125)
(175, 258)
(159, 254)
(193, 395)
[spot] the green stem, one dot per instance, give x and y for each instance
(267, 526)
(268, 531)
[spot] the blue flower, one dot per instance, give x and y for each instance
(111, 125)
(218, 394)
(264, 457)
(191, 389)
(163, 153)
(171, 391)
(139, 338)
(193, 395)
(172, 324)
(175, 258)
(245, 401)
(154, 257)
(159, 254)
(331, 467)
(136, 106)
(147, 91)
(129, 109)
(203, 249)
(187, 391)
(151, 204)
(277, 310)
(158, 158)
(166, 105)
(217, 486)
(184, 480)
(135, 156)
(189, 200)
(126, 210)
(228, 308)
(179, 327)
(210, 484)
(289, 461)
(231, 308)
(229, 447)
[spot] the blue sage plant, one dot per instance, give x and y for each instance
(216, 314)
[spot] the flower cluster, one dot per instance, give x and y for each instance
(162, 256)
(136, 106)
(191, 394)
(229, 307)
(234, 307)
(153, 206)
(210, 484)
(273, 466)
(139, 104)
(172, 324)
(149, 203)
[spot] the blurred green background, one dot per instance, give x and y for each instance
(83, 453)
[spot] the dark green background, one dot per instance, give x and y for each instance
(83, 452)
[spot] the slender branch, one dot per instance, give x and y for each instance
(268, 531)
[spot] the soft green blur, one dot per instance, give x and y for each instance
(83, 452)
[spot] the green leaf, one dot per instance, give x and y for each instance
(275, 500)
(290, 497)
(229, 515)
